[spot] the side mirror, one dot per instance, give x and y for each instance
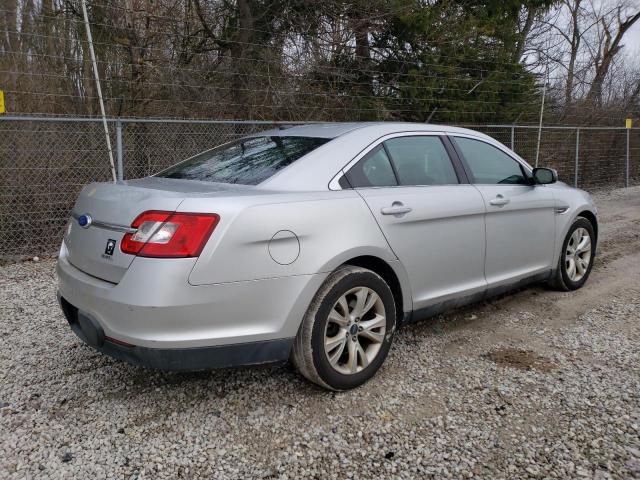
(544, 176)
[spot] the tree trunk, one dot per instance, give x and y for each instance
(576, 39)
(524, 34)
(609, 51)
(239, 51)
(10, 40)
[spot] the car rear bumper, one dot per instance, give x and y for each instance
(154, 317)
(91, 332)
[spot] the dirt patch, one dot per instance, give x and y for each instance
(520, 359)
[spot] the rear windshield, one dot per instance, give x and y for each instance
(247, 161)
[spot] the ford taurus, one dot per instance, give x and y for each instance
(313, 243)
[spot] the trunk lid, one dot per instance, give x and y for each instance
(112, 207)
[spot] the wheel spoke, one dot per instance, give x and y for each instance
(585, 256)
(373, 336)
(581, 265)
(371, 301)
(335, 351)
(352, 361)
(584, 245)
(368, 327)
(342, 301)
(335, 317)
(575, 238)
(361, 300)
(376, 322)
(571, 269)
(332, 342)
(364, 361)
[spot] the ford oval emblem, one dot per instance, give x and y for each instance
(85, 220)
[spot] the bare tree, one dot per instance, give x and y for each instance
(613, 31)
(574, 45)
(584, 47)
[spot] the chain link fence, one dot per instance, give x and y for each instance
(587, 157)
(46, 161)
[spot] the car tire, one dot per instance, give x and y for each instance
(367, 340)
(565, 276)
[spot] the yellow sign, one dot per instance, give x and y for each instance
(629, 123)
(1, 101)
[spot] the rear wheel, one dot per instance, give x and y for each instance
(347, 332)
(576, 257)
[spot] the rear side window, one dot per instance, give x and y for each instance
(374, 170)
(488, 164)
(247, 161)
(421, 160)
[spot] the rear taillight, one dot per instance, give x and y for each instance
(169, 235)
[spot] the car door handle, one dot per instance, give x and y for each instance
(396, 208)
(499, 201)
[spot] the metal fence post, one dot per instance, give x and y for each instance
(513, 137)
(575, 174)
(119, 150)
(626, 164)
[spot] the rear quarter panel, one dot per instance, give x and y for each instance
(331, 227)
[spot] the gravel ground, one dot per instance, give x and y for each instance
(536, 384)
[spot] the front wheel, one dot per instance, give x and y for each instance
(576, 257)
(347, 332)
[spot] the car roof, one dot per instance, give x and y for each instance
(336, 129)
(314, 171)
(317, 130)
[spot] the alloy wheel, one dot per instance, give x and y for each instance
(355, 330)
(578, 254)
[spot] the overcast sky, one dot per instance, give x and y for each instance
(632, 41)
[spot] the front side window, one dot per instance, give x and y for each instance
(490, 165)
(247, 161)
(421, 160)
(374, 170)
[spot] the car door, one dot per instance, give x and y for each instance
(432, 219)
(520, 219)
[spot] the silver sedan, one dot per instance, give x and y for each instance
(313, 243)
